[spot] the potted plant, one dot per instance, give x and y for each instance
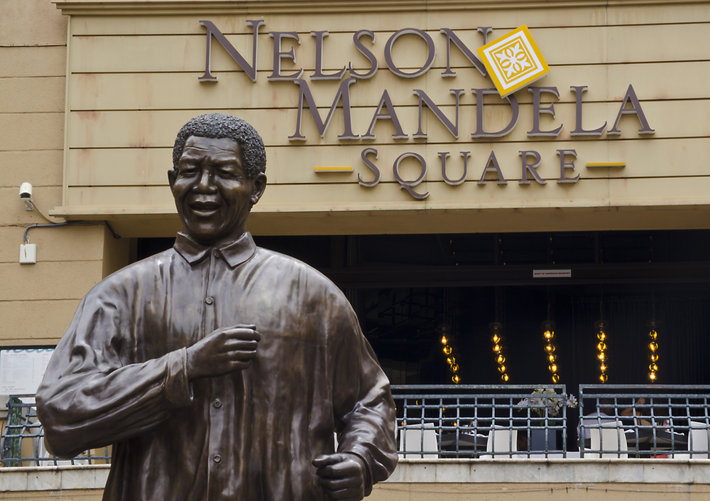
(543, 408)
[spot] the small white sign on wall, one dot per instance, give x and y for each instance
(559, 273)
(21, 369)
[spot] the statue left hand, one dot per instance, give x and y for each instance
(341, 475)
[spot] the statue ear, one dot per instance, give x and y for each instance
(172, 174)
(259, 187)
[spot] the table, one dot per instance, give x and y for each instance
(469, 445)
(643, 440)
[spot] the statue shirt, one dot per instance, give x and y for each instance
(118, 376)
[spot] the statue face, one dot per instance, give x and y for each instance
(212, 193)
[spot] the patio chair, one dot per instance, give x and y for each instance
(418, 442)
(697, 441)
(607, 437)
(502, 442)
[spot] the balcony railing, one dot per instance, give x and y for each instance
(644, 421)
(481, 421)
(22, 439)
(487, 421)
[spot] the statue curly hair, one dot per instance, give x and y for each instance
(220, 125)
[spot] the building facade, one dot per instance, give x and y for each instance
(383, 131)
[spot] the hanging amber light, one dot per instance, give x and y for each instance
(601, 351)
(653, 352)
(548, 334)
(450, 359)
(496, 339)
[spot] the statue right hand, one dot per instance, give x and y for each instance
(223, 351)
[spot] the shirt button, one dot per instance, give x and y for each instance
(217, 403)
(209, 300)
(217, 458)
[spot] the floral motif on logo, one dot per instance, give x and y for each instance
(513, 59)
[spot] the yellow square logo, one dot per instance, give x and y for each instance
(513, 61)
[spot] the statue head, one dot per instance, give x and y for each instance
(217, 176)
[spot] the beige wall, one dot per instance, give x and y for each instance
(461, 492)
(134, 80)
(37, 301)
(584, 480)
(537, 492)
(63, 495)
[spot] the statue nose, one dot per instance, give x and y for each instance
(205, 182)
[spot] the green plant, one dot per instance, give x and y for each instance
(546, 402)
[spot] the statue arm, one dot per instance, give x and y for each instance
(90, 398)
(364, 408)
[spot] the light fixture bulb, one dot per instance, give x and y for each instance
(601, 335)
(653, 334)
(447, 350)
(496, 348)
(501, 368)
(444, 340)
(552, 367)
(495, 338)
(601, 346)
(504, 377)
(555, 378)
(500, 359)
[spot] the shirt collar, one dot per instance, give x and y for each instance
(234, 253)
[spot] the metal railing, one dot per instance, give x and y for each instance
(22, 441)
(481, 421)
(660, 421)
(486, 421)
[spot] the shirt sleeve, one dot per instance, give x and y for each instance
(89, 396)
(363, 405)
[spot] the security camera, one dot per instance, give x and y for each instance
(26, 195)
(25, 190)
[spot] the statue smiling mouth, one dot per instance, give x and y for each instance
(204, 208)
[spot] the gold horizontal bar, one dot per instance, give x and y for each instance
(606, 164)
(333, 169)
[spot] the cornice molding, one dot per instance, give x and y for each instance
(258, 7)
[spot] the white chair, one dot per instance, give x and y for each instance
(502, 440)
(697, 441)
(418, 442)
(608, 437)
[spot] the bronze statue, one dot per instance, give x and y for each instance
(217, 369)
